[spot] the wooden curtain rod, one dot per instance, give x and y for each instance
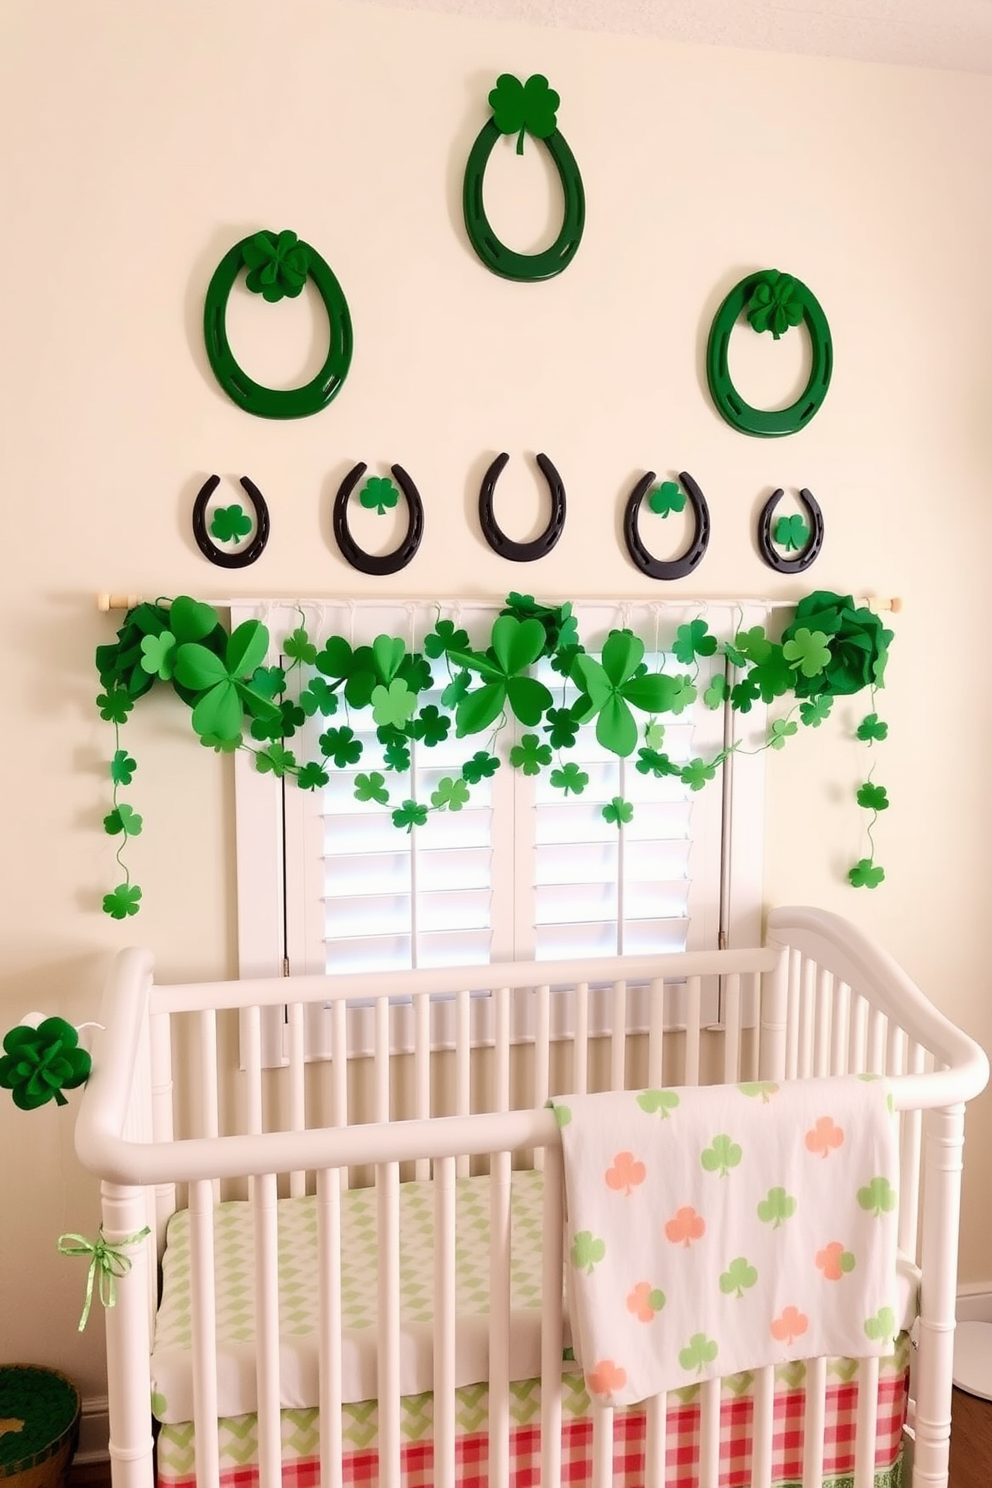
(105, 601)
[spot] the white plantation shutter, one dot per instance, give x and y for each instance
(327, 883)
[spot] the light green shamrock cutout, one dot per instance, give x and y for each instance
(587, 1251)
(791, 533)
(699, 1352)
(879, 1197)
(808, 651)
(781, 729)
(451, 794)
(778, 1206)
(371, 787)
(394, 704)
(658, 1102)
(722, 1155)
(882, 1325)
(738, 1276)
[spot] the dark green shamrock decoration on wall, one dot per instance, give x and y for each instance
(774, 304)
(524, 108)
(39, 1063)
(276, 266)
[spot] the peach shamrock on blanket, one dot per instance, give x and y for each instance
(626, 1173)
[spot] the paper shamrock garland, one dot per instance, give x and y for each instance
(832, 648)
(41, 1059)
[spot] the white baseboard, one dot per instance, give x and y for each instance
(94, 1431)
(974, 1302)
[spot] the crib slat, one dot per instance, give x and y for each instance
(381, 1059)
(877, 1025)
(551, 1316)
(329, 1295)
(580, 1043)
(499, 1319)
(602, 1445)
(264, 1215)
(339, 1073)
(160, 1040)
(839, 1029)
(794, 1017)
(251, 1029)
(542, 1056)
(910, 1137)
(463, 1066)
(866, 1424)
(824, 1010)
(422, 1070)
(693, 995)
(297, 1088)
(814, 1422)
(732, 1029)
(501, 1049)
(444, 1322)
(807, 1014)
(655, 1439)
(656, 1034)
(763, 1421)
(618, 1036)
(387, 1193)
(709, 1435)
(203, 1314)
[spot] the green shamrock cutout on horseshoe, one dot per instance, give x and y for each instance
(276, 267)
(524, 108)
(774, 305)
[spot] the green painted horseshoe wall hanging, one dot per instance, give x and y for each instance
(278, 265)
(772, 302)
(523, 108)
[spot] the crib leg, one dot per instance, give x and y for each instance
(942, 1199)
(128, 1344)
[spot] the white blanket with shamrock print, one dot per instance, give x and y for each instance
(716, 1229)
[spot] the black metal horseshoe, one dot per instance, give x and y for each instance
(205, 543)
(387, 563)
(675, 568)
(810, 552)
(497, 539)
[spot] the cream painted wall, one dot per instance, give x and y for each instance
(139, 142)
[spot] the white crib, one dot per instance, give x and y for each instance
(462, 1064)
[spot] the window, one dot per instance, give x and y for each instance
(328, 883)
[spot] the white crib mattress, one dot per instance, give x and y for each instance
(171, 1363)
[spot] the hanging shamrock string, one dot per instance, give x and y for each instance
(487, 694)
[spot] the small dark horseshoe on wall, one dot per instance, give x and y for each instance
(497, 539)
(205, 543)
(386, 563)
(810, 552)
(675, 568)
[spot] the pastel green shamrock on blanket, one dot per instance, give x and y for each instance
(658, 1102)
(587, 1251)
(777, 1207)
(722, 1155)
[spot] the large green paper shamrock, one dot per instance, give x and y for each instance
(859, 644)
(220, 681)
(773, 305)
(276, 267)
(524, 108)
(230, 523)
(516, 645)
(39, 1063)
(611, 686)
(379, 494)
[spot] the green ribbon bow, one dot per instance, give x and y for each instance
(106, 1259)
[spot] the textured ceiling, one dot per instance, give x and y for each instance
(950, 34)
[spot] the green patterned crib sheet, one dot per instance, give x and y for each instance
(171, 1367)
